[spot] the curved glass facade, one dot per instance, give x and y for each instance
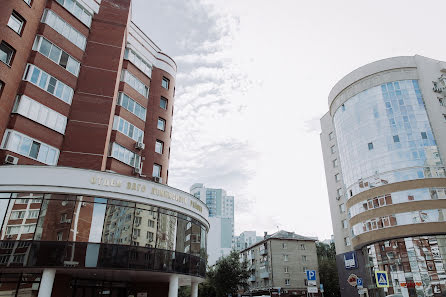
(400, 219)
(384, 136)
(397, 198)
(415, 265)
(102, 228)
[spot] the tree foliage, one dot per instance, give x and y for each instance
(227, 276)
(328, 273)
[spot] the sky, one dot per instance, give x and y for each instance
(253, 81)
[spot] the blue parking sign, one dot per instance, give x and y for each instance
(359, 282)
(311, 275)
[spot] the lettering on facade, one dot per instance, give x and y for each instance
(440, 84)
(136, 187)
(177, 198)
(107, 182)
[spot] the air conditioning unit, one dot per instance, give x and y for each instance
(11, 160)
(137, 170)
(139, 145)
(157, 179)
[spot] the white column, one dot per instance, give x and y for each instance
(173, 286)
(46, 283)
(194, 289)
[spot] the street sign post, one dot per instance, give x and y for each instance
(311, 275)
(382, 281)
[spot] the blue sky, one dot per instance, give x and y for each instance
(253, 81)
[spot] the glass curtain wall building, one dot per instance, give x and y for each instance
(384, 146)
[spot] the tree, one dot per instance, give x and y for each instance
(227, 276)
(328, 273)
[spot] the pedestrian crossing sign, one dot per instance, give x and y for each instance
(382, 281)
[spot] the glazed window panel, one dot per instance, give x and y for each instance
(48, 83)
(29, 147)
(124, 155)
(166, 236)
(128, 129)
(132, 106)
(139, 62)
(16, 22)
(6, 53)
(385, 146)
(118, 224)
(57, 23)
(39, 113)
(135, 83)
(56, 217)
(57, 55)
(77, 10)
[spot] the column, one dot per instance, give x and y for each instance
(46, 283)
(194, 289)
(173, 286)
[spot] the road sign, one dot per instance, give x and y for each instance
(312, 289)
(359, 283)
(382, 281)
(352, 279)
(311, 275)
(350, 260)
(312, 283)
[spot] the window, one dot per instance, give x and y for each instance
(29, 228)
(333, 149)
(29, 147)
(39, 113)
(159, 145)
(347, 241)
(343, 107)
(57, 55)
(304, 269)
(285, 258)
(124, 155)
(441, 101)
(139, 62)
(149, 236)
(287, 282)
(77, 10)
(285, 269)
(132, 106)
(128, 129)
(136, 232)
(302, 246)
(63, 28)
(156, 170)
(15, 215)
(396, 138)
(161, 124)
(304, 258)
(339, 192)
(305, 282)
(337, 177)
(423, 135)
(163, 103)
(6, 53)
(342, 208)
(151, 223)
(344, 224)
(48, 83)
(27, 2)
(33, 214)
(370, 146)
(335, 163)
(284, 246)
(135, 83)
(59, 236)
(165, 83)
(16, 22)
(331, 136)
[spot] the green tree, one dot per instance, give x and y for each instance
(328, 273)
(227, 276)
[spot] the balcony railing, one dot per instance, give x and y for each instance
(252, 278)
(264, 274)
(263, 252)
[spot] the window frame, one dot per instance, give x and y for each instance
(160, 170)
(11, 55)
(167, 102)
(162, 146)
(18, 18)
(164, 124)
(166, 81)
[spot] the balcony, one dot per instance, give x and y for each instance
(264, 274)
(263, 252)
(252, 256)
(252, 278)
